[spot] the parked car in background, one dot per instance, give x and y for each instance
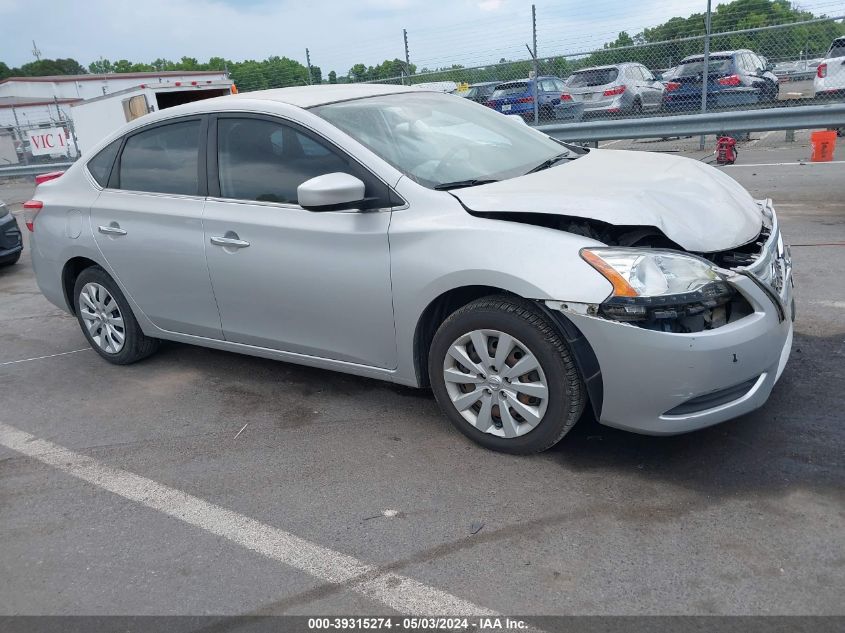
(796, 70)
(733, 78)
(419, 238)
(830, 74)
(479, 92)
(11, 245)
(517, 97)
(622, 88)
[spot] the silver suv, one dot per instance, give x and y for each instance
(424, 239)
(627, 88)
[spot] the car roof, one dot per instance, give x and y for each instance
(690, 58)
(486, 83)
(606, 67)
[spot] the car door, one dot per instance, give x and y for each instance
(311, 283)
(652, 89)
(147, 224)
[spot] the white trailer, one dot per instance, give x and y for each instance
(94, 119)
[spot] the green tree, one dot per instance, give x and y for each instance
(332, 76)
(45, 67)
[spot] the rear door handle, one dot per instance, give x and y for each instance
(230, 242)
(112, 229)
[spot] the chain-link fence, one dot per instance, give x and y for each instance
(746, 54)
(33, 144)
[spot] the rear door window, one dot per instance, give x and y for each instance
(163, 159)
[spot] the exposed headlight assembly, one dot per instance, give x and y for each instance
(656, 284)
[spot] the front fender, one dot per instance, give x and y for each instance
(437, 246)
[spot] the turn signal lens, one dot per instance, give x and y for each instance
(621, 288)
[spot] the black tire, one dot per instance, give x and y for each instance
(524, 321)
(12, 260)
(637, 107)
(136, 345)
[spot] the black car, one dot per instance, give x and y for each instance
(479, 92)
(733, 78)
(11, 244)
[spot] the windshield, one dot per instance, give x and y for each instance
(696, 66)
(436, 139)
(594, 77)
(508, 90)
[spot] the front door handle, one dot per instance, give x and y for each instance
(230, 240)
(111, 229)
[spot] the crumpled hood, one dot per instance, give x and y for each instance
(695, 205)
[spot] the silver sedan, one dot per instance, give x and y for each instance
(424, 239)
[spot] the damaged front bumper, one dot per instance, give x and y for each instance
(664, 383)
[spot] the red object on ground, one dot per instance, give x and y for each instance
(726, 150)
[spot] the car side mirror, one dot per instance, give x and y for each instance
(331, 192)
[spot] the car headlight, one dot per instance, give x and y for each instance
(4, 211)
(656, 284)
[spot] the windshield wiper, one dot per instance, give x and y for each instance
(458, 184)
(548, 163)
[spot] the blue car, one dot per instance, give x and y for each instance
(517, 97)
(733, 78)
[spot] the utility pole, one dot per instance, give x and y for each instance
(705, 75)
(20, 136)
(407, 57)
(308, 61)
(36, 52)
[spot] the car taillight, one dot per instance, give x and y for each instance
(671, 86)
(612, 92)
(32, 208)
(821, 71)
(730, 80)
(525, 100)
(566, 97)
(40, 178)
(490, 104)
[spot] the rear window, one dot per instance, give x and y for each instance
(100, 166)
(596, 77)
(507, 90)
(837, 49)
(696, 66)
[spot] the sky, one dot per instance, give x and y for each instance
(339, 33)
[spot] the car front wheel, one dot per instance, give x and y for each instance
(107, 321)
(504, 377)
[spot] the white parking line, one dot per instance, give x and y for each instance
(609, 143)
(793, 163)
(400, 593)
(26, 360)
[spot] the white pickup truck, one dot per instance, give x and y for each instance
(94, 119)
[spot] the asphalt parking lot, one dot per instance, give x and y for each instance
(203, 482)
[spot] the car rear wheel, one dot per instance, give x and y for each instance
(107, 321)
(637, 107)
(505, 378)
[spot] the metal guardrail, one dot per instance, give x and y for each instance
(762, 120)
(31, 170)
